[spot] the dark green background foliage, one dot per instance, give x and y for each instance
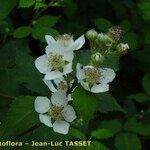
(117, 120)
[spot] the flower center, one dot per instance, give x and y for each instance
(56, 61)
(92, 75)
(62, 86)
(56, 112)
(65, 39)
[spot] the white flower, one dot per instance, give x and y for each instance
(55, 63)
(123, 48)
(55, 113)
(94, 79)
(59, 84)
(66, 41)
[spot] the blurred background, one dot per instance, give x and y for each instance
(23, 25)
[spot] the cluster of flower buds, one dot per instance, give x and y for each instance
(107, 42)
(56, 65)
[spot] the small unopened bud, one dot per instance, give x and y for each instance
(123, 48)
(97, 57)
(115, 33)
(91, 34)
(105, 39)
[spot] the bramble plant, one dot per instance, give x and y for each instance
(75, 72)
(57, 63)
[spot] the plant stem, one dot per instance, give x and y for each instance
(40, 12)
(7, 96)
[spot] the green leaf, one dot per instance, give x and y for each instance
(146, 31)
(84, 102)
(102, 133)
(111, 61)
(138, 127)
(139, 97)
(7, 55)
(130, 107)
(144, 7)
(47, 20)
(6, 7)
(102, 24)
(40, 4)
(22, 32)
(95, 145)
(26, 3)
(132, 40)
(10, 85)
(27, 72)
(146, 83)
(77, 133)
(18, 67)
(112, 125)
(125, 25)
(106, 103)
(40, 31)
(127, 141)
(83, 56)
(144, 59)
(21, 116)
(44, 26)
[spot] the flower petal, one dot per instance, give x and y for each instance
(107, 74)
(80, 72)
(78, 43)
(68, 55)
(53, 48)
(53, 75)
(41, 64)
(50, 85)
(61, 79)
(49, 39)
(100, 88)
(45, 119)
(67, 68)
(69, 97)
(85, 85)
(61, 127)
(69, 113)
(59, 98)
(42, 104)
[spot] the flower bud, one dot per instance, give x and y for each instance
(115, 33)
(91, 34)
(97, 58)
(123, 48)
(105, 39)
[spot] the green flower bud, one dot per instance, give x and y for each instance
(122, 48)
(97, 58)
(105, 39)
(91, 34)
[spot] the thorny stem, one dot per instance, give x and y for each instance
(40, 12)
(28, 131)
(7, 96)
